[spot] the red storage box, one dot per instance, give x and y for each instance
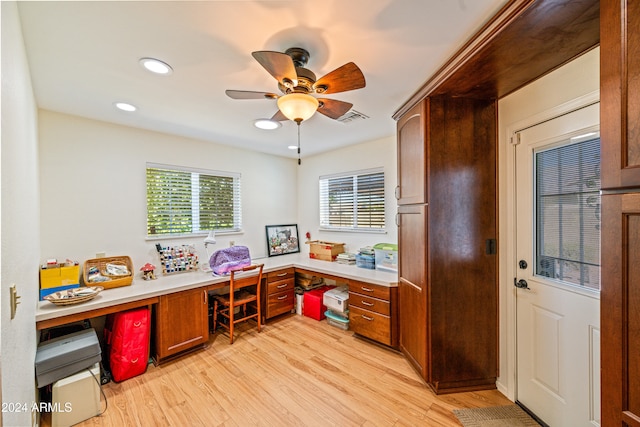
(313, 303)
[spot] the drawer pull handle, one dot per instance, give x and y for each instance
(282, 297)
(366, 289)
(370, 319)
(284, 285)
(282, 274)
(369, 304)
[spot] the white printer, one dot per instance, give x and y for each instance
(63, 356)
(337, 300)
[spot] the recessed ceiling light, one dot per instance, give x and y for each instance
(156, 66)
(292, 147)
(267, 124)
(125, 106)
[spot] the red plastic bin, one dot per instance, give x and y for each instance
(313, 306)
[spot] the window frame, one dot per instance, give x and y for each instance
(325, 221)
(196, 206)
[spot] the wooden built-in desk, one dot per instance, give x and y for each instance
(181, 300)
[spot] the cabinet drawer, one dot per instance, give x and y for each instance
(280, 286)
(369, 324)
(370, 304)
(282, 302)
(376, 291)
(287, 273)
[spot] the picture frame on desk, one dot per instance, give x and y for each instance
(282, 239)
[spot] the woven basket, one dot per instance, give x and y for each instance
(101, 265)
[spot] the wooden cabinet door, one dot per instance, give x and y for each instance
(619, 89)
(412, 156)
(413, 287)
(620, 310)
(181, 321)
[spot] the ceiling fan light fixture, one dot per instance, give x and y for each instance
(156, 66)
(298, 106)
(266, 124)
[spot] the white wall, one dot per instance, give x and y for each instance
(379, 153)
(20, 226)
(525, 107)
(93, 188)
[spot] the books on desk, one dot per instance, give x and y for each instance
(346, 258)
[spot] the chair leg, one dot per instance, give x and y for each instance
(232, 313)
(215, 316)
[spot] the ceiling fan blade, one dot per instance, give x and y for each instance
(342, 79)
(247, 94)
(278, 116)
(333, 108)
(278, 64)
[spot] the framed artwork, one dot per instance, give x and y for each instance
(282, 239)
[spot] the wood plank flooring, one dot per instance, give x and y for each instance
(296, 372)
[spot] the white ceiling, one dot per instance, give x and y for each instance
(84, 57)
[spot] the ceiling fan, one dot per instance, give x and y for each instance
(298, 83)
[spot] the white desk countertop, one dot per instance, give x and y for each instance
(141, 289)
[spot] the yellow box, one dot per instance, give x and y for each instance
(326, 251)
(59, 276)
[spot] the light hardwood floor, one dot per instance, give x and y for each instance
(296, 372)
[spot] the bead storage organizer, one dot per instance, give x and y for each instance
(177, 259)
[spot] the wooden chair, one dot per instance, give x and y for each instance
(241, 295)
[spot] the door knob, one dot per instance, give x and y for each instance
(522, 284)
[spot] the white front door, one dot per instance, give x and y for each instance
(558, 273)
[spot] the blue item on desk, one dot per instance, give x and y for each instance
(224, 260)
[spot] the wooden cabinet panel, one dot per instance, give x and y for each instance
(280, 286)
(412, 155)
(620, 315)
(412, 287)
(619, 88)
(371, 304)
(369, 289)
(279, 297)
(288, 273)
(279, 303)
(370, 324)
(373, 312)
(181, 322)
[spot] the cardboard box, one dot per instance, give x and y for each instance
(325, 251)
(313, 303)
(59, 276)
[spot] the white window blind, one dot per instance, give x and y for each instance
(568, 213)
(353, 201)
(183, 201)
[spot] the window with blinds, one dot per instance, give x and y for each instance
(184, 201)
(353, 201)
(568, 213)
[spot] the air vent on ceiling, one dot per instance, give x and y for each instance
(352, 116)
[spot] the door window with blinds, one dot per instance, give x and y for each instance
(353, 201)
(568, 212)
(183, 201)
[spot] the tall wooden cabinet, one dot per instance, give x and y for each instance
(447, 201)
(620, 142)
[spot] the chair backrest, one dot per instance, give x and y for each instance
(244, 281)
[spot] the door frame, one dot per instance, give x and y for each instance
(507, 382)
